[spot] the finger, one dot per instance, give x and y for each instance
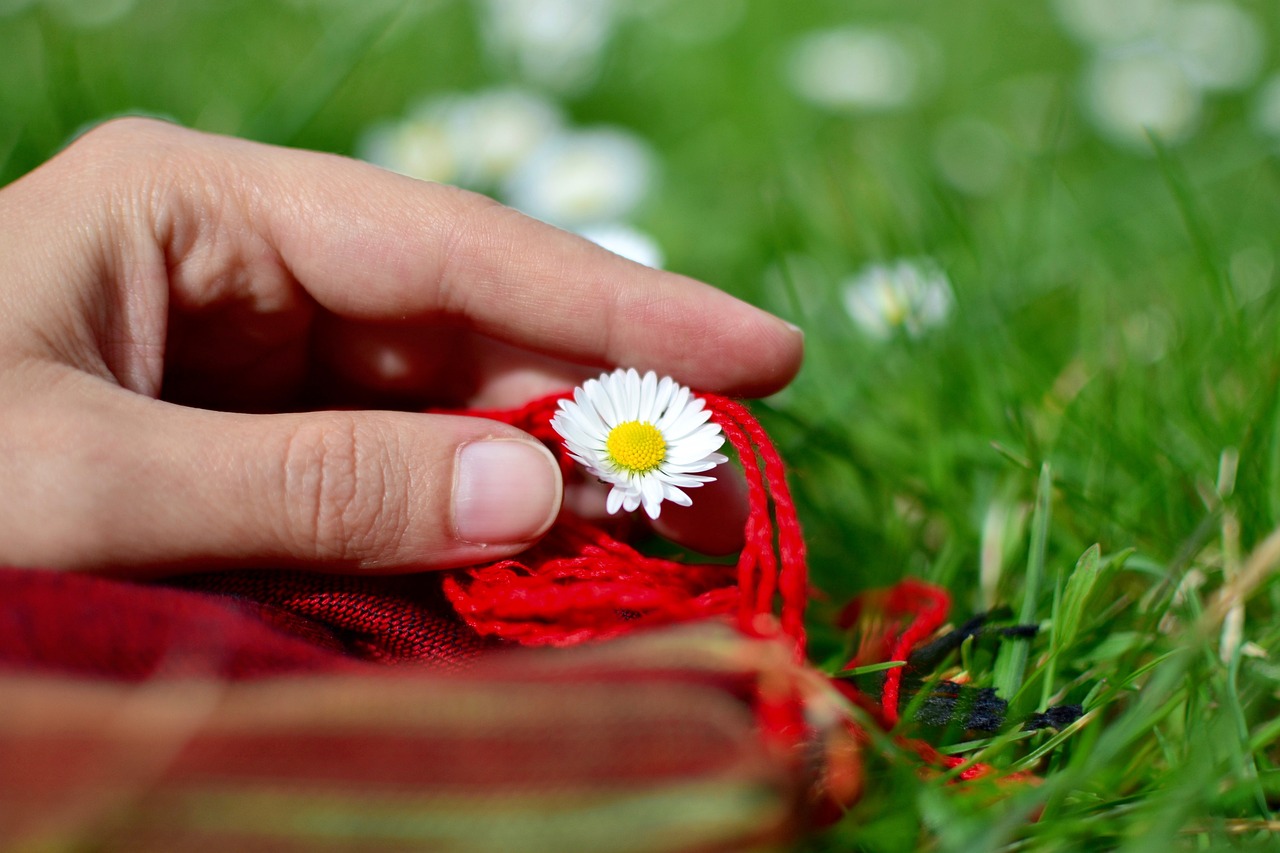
(435, 366)
(369, 244)
(147, 486)
(413, 365)
(522, 281)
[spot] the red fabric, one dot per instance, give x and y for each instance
(652, 736)
(89, 626)
(393, 619)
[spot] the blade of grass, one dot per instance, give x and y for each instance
(1202, 242)
(870, 668)
(324, 71)
(1011, 663)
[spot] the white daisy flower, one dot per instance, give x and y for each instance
(1134, 93)
(622, 239)
(583, 177)
(911, 294)
(496, 130)
(646, 437)
(553, 43)
(1220, 45)
(1266, 108)
(89, 14)
(419, 147)
(1104, 23)
(854, 68)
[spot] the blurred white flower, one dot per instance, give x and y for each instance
(419, 147)
(1110, 22)
(494, 131)
(971, 155)
(13, 7)
(582, 178)
(1157, 59)
(911, 294)
(1219, 43)
(626, 241)
(1130, 94)
(854, 68)
(1266, 107)
(1148, 335)
(1252, 270)
(513, 145)
(701, 22)
(554, 43)
(475, 141)
(90, 14)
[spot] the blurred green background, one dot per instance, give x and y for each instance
(1017, 234)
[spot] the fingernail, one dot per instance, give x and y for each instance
(505, 492)
(793, 327)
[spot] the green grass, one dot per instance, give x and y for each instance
(1093, 440)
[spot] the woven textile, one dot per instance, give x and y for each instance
(647, 743)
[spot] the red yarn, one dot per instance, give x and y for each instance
(898, 619)
(581, 583)
(891, 623)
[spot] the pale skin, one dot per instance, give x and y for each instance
(203, 342)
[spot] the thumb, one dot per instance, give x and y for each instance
(132, 485)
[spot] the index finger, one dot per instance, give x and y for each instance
(369, 244)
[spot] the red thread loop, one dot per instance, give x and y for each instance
(890, 623)
(581, 583)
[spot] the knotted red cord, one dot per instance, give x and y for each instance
(582, 583)
(900, 618)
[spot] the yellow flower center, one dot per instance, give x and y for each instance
(636, 446)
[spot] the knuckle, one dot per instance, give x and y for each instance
(339, 487)
(118, 142)
(131, 164)
(125, 131)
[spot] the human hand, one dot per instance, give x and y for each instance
(174, 306)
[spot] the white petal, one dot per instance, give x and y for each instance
(631, 501)
(572, 431)
(618, 389)
(633, 393)
(648, 392)
(678, 401)
(651, 489)
(686, 481)
(689, 453)
(586, 460)
(676, 496)
(584, 411)
(695, 467)
(689, 420)
(600, 401)
(663, 398)
(614, 502)
(691, 467)
(592, 441)
(653, 506)
(695, 462)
